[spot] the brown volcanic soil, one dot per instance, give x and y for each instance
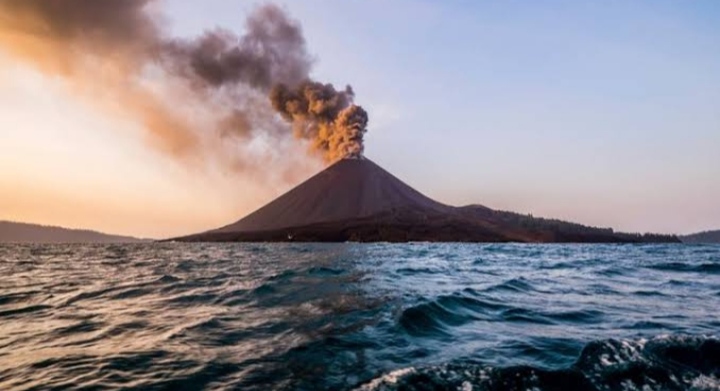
(356, 200)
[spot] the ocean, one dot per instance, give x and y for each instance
(417, 316)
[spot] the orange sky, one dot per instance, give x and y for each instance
(64, 162)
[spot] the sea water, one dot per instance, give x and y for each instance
(172, 316)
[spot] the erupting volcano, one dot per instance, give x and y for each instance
(354, 199)
(233, 100)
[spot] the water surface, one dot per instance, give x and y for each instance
(170, 316)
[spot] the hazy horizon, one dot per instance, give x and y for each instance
(605, 115)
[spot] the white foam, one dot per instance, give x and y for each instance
(387, 379)
(705, 383)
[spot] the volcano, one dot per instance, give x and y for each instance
(356, 200)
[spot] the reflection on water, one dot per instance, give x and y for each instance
(337, 316)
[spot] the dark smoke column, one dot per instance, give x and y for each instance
(330, 119)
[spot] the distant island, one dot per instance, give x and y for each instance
(13, 232)
(356, 200)
(702, 237)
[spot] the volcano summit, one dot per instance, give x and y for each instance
(356, 200)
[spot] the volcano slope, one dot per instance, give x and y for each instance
(357, 200)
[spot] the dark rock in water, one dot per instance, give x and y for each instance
(357, 200)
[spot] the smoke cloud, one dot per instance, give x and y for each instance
(328, 117)
(190, 92)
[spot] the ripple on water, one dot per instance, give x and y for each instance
(519, 285)
(374, 316)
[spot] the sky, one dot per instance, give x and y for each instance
(603, 113)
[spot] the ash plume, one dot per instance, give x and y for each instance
(328, 117)
(232, 86)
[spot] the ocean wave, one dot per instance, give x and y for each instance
(662, 363)
(707, 267)
(513, 285)
(433, 318)
(336, 317)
